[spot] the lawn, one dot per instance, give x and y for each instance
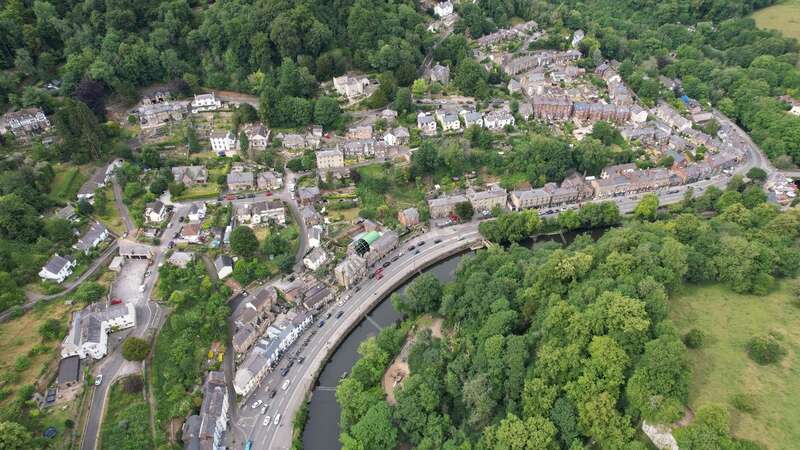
(111, 218)
(127, 421)
(19, 338)
(66, 182)
(208, 190)
(721, 368)
(784, 17)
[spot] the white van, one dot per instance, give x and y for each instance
(277, 418)
(285, 384)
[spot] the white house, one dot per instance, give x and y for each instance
(88, 334)
(206, 102)
(426, 124)
(496, 120)
(450, 122)
(258, 136)
(315, 236)
(315, 259)
(396, 136)
(223, 143)
(96, 234)
(443, 9)
(58, 268)
(197, 212)
(224, 266)
(330, 159)
(155, 212)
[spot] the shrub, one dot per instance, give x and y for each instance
(744, 402)
(22, 363)
(133, 384)
(765, 349)
(135, 349)
(694, 338)
(51, 329)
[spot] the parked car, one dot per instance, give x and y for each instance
(420, 243)
(284, 371)
(301, 359)
(339, 314)
(380, 276)
(328, 316)
(437, 241)
(386, 264)
(266, 421)
(116, 301)
(396, 257)
(99, 380)
(277, 419)
(321, 323)
(256, 404)
(264, 409)
(411, 248)
(285, 384)
(272, 392)
(251, 195)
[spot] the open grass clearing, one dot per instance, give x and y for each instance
(721, 368)
(111, 219)
(66, 182)
(783, 16)
(127, 421)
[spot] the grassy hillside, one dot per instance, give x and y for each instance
(784, 17)
(721, 368)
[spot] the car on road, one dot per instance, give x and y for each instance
(301, 359)
(328, 316)
(396, 257)
(266, 421)
(277, 419)
(284, 371)
(380, 276)
(416, 252)
(251, 195)
(420, 243)
(339, 314)
(321, 323)
(264, 409)
(181, 219)
(269, 193)
(272, 392)
(372, 275)
(437, 241)
(411, 248)
(358, 288)
(240, 197)
(386, 264)
(256, 404)
(98, 380)
(286, 384)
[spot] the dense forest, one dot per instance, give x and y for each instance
(568, 347)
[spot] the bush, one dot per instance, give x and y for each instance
(694, 338)
(22, 363)
(765, 349)
(133, 384)
(744, 402)
(135, 349)
(51, 329)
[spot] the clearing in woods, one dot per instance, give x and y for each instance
(783, 16)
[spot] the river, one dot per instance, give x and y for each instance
(322, 431)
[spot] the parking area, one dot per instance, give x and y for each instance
(128, 284)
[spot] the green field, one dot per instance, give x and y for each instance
(784, 17)
(66, 182)
(127, 421)
(721, 369)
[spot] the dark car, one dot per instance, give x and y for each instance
(251, 195)
(437, 241)
(272, 393)
(321, 323)
(181, 219)
(339, 314)
(386, 264)
(395, 258)
(284, 371)
(420, 243)
(372, 275)
(416, 252)
(328, 316)
(358, 288)
(411, 248)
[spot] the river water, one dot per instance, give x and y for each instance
(322, 429)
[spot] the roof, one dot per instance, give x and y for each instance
(371, 237)
(181, 259)
(86, 242)
(65, 212)
(56, 263)
(155, 206)
(223, 261)
(410, 213)
(69, 369)
(240, 178)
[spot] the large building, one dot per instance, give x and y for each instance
(445, 206)
(58, 268)
(206, 102)
(330, 159)
(88, 334)
(351, 87)
(552, 107)
(190, 175)
(24, 122)
(351, 270)
(223, 143)
(530, 198)
(262, 212)
(486, 200)
(204, 431)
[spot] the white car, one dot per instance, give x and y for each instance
(266, 421)
(256, 404)
(99, 380)
(277, 418)
(286, 385)
(264, 409)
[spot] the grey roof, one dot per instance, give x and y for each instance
(69, 369)
(411, 213)
(57, 263)
(223, 261)
(191, 432)
(86, 242)
(155, 206)
(240, 178)
(65, 212)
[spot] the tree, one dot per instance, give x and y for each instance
(244, 144)
(659, 386)
(765, 349)
(327, 112)
(18, 220)
(374, 431)
(419, 87)
(89, 292)
(150, 157)
(403, 103)
(243, 241)
(512, 433)
(471, 78)
(422, 296)
(757, 174)
(51, 329)
(647, 207)
(135, 349)
(80, 132)
(14, 436)
(464, 210)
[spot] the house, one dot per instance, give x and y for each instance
(269, 180)
(181, 259)
(450, 122)
(293, 140)
(159, 114)
(381, 246)
(702, 117)
(308, 195)
(514, 86)
(426, 124)
(223, 143)
(58, 268)
(88, 333)
(638, 114)
(263, 212)
(361, 132)
(98, 180)
(351, 87)
(69, 371)
(408, 217)
(315, 236)
(445, 206)
(310, 216)
(389, 115)
(197, 212)
(330, 159)
(191, 233)
(66, 213)
(486, 200)
(190, 175)
(257, 136)
(351, 270)
(256, 313)
(498, 119)
(116, 264)
(315, 259)
(672, 117)
(525, 110)
(472, 118)
(443, 9)
(440, 74)
(96, 234)
(551, 107)
(359, 148)
(530, 198)
(25, 122)
(206, 102)
(240, 181)
(155, 212)
(205, 430)
(224, 266)
(396, 136)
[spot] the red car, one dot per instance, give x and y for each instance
(116, 301)
(269, 193)
(380, 275)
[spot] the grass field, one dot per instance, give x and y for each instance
(66, 182)
(784, 17)
(127, 421)
(721, 369)
(112, 219)
(209, 190)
